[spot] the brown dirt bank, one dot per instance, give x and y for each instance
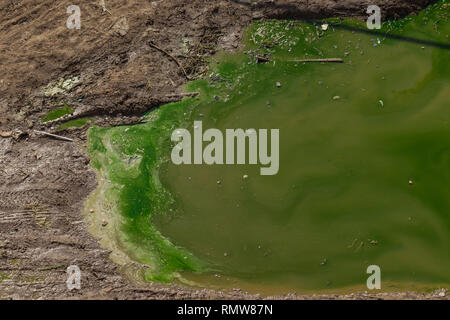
(44, 182)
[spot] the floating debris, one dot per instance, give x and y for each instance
(261, 59)
(245, 176)
(360, 245)
(278, 85)
(353, 243)
(381, 103)
(332, 60)
(336, 98)
(325, 27)
(411, 182)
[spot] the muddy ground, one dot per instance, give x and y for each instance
(125, 60)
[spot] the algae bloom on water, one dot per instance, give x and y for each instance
(363, 179)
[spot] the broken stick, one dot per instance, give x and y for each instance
(170, 56)
(336, 60)
(187, 94)
(54, 136)
(261, 59)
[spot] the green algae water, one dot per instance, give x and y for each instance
(364, 166)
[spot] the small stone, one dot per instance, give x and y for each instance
(6, 134)
(442, 294)
(104, 223)
(91, 211)
(225, 254)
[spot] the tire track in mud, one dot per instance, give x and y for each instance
(23, 198)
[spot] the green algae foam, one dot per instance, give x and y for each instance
(364, 166)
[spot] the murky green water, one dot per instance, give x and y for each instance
(364, 166)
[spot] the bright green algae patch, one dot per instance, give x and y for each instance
(76, 123)
(129, 157)
(364, 161)
(57, 113)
